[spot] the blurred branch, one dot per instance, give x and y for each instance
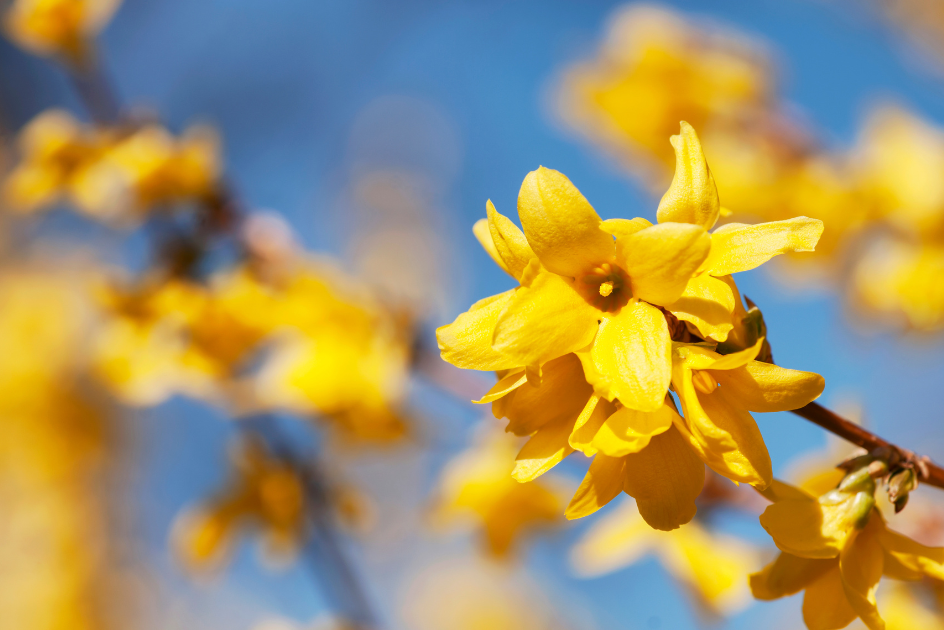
(927, 471)
(95, 89)
(325, 551)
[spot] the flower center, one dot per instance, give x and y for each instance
(606, 287)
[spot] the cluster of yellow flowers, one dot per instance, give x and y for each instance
(608, 316)
(610, 319)
(115, 174)
(299, 337)
(655, 67)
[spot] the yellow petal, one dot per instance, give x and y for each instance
(699, 358)
(786, 575)
(562, 227)
(617, 539)
(629, 431)
(621, 228)
(708, 303)
(860, 565)
(544, 321)
(825, 606)
(713, 566)
(805, 528)
(546, 448)
(484, 236)
(749, 461)
(467, 342)
(589, 422)
(766, 387)
(509, 242)
(738, 247)
(504, 386)
(665, 478)
(602, 483)
(661, 259)
(707, 438)
(562, 396)
(692, 197)
(633, 354)
(779, 491)
(914, 555)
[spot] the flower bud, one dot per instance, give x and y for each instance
(861, 509)
(878, 468)
(901, 483)
(900, 503)
(858, 480)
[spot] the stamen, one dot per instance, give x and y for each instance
(704, 382)
(606, 288)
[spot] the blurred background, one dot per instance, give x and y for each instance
(378, 130)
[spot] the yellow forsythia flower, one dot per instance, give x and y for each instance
(263, 492)
(324, 346)
(607, 316)
(477, 484)
(836, 549)
(54, 151)
(147, 169)
(58, 27)
(712, 567)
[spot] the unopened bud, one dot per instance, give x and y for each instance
(900, 503)
(877, 469)
(861, 509)
(901, 483)
(858, 480)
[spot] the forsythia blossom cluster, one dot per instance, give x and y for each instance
(611, 315)
(115, 174)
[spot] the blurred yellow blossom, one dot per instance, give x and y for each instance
(58, 27)
(469, 594)
(57, 458)
(837, 548)
(115, 175)
(655, 68)
(263, 492)
(711, 566)
(54, 150)
(477, 486)
(306, 339)
(147, 169)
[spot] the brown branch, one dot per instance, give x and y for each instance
(927, 472)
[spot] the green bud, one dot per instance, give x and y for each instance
(861, 508)
(858, 480)
(901, 483)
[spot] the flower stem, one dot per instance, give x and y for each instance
(928, 472)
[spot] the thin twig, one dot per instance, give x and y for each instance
(928, 472)
(325, 551)
(95, 89)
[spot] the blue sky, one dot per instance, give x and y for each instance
(286, 82)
